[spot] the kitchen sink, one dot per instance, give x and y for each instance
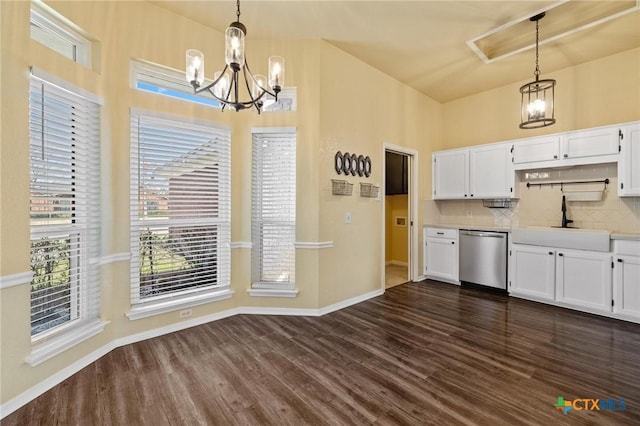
(572, 238)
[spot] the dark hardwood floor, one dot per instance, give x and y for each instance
(425, 353)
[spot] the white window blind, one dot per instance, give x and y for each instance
(273, 209)
(180, 208)
(64, 146)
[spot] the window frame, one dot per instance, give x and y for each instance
(58, 27)
(83, 227)
(261, 286)
(141, 306)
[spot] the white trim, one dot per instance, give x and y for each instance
(420, 278)
(351, 301)
(180, 118)
(272, 292)
(144, 311)
(241, 245)
(271, 130)
(116, 257)
(63, 84)
(53, 380)
(50, 348)
(57, 378)
(413, 209)
(16, 279)
(313, 245)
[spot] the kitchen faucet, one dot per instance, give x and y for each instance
(565, 221)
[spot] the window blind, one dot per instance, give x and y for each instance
(273, 230)
(180, 208)
(64, 147)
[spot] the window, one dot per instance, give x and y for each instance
(167, 82)
(273, 230)
(52, 31)
(180, 210)
(64, 146)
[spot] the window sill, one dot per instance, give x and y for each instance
(144, 311)
(43, 351)
(273, 292)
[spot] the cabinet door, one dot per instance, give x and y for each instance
(626, 284)
(629, 162)
(544, 148)
(450, 174)
(491, 172)
(442, 259)
(584, 279)
(591, 143)
(533, 271)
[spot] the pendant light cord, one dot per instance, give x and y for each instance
(537, 71)
(237, 10)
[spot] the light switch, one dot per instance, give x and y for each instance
(347, 217)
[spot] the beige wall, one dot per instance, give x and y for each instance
(396, 237)
(337, 109)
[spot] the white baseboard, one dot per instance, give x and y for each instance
(57, 378)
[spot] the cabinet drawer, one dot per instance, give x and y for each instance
(442, 233)
(626, 247)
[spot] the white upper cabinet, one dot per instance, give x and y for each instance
(479, 172)
(601, 141)
(533, 150)
(491, 172)
(591, 146)
(451, 174)
(629, 163)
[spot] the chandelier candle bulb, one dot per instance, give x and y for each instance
(228, 87)
(276, 72)
(195, 67)
(234, 48)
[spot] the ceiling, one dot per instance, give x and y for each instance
(424, 43)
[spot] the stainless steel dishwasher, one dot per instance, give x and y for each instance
(483, 258)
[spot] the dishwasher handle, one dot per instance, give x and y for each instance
(483, 234)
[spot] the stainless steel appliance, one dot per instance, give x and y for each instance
(483, 258)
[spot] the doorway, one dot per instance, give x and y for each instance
(399, 215)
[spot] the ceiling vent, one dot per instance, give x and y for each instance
(569, 17)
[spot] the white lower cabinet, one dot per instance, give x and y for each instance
(534, 272)
(441, 254)
(626, 279)
(575, 278)
(584, 279)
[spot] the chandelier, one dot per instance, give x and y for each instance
(236, 77)
(537, 109)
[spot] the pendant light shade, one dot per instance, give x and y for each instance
(538, 97)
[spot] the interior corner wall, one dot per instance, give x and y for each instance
(596, 93)
(361, 109)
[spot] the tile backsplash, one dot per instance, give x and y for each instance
(541, 205)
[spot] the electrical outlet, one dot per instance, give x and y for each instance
(469, 213)
(185, 313)
(347, 217)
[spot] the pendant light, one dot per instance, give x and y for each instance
(227, 85)
(537, 103)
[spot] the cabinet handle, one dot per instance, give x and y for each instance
(555, 157)
(550, 253)
(465, 195)
(472, 195)
(440, 233)
(620, 260)
(566, 155)
(560, 254)
(453, 242)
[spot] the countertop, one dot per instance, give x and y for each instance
(614, 234)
